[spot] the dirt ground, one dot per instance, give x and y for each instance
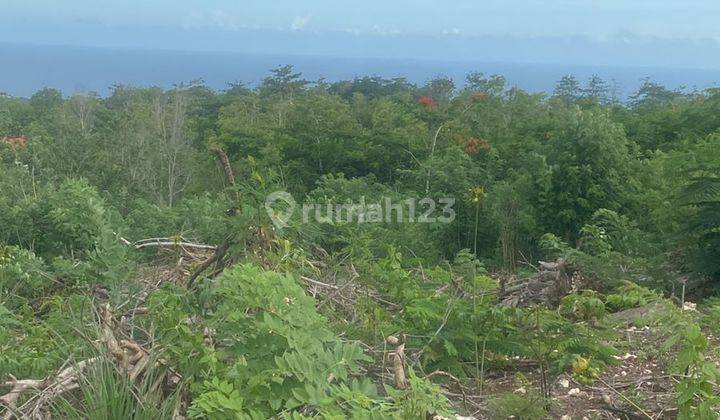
(638, 386)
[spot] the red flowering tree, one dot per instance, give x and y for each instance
(427, 102)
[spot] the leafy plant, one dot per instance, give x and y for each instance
(696, 392)
(557, 344)
(587, 306)
(76, 216)
(268, 341)
(422, 399)
(630, 295)
(23, 276)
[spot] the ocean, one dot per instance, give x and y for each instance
(24, 69)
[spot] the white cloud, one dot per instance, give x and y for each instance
(453, 31)
(300, 22)
(384, 30)
(212, 19)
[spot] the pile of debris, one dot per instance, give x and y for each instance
(553, 281)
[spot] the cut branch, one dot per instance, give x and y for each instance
(398, 360)
(168, 242)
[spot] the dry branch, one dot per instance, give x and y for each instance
(217, 258)
(48, 388)
(170, 242)
(128, 354)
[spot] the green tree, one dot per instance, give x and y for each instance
(590, 159)
(567, 90)
(703, 194)
(283, 82)
(596, 91)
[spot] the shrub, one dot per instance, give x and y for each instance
(421, 400)
(32, 346)
(696, 392)
(585, 307)
(22, 274)
(269, 345)
(201, 218)
(106, 393)
(75, 217)
(711, 313)
(630, 295)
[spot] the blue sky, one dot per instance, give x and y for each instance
(596, 19)
(660, 33)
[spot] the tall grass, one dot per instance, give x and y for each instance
(105, 393)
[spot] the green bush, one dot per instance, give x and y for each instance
(696, 391)
(75, 218)
(19, 210)
(630, 295)
(32, 346)
(585, 307)
(711, 313)
(201, 218)
(269, 346)
(22, 275)
(421, 400)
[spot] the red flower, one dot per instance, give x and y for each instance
(427, 102)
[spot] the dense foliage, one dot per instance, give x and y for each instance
(629, 191)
